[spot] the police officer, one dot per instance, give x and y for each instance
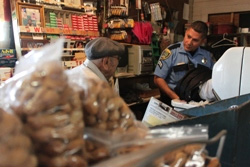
(178, 58)
(103, 55)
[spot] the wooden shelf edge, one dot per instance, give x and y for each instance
(144, 100)
(58, 31)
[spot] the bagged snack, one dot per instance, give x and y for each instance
(15, 145)
(50, 109)
(115, 146)
(103, 110)
(174, 147)
(103, 144)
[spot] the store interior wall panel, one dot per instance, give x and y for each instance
(201, 8)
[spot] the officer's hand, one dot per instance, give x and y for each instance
(180, 101)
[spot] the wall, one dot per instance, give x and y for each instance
(172, 4)
(1, 10)
(5, 27)
(201, 8)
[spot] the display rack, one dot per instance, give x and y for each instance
(36, 24)
(118, 23)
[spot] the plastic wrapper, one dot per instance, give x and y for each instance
(51, 110)
(101, 144)
(115, 145)
(103, 110)
(178, 146)
(15, 145)
(112, 130)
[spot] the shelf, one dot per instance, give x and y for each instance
(67, 56)
(58, 5)
(124, 75)
(230, 35)
(29, 49)
(131, 75)
(65, 49)
(58, 31)
(73, 49)
(118, 16)
(142, 76)
(144, 100)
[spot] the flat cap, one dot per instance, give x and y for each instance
(103, 47)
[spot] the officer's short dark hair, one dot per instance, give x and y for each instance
(200, 27)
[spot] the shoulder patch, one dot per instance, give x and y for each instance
(165, 54)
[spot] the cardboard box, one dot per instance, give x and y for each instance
(5, 73)
(69, 64)
(80, 57)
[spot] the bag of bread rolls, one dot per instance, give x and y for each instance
(104, 145)
(39, 93)
(174, 147)
(103, 110)
(15, 146)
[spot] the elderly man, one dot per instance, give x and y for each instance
(103, 55)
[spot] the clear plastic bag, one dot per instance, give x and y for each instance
(15, 146)
(39, 93)
(103, 107)
(146, 136)
(103, 110)
(102, 145)
(157, 148)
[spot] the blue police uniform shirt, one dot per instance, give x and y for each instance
(175, 55)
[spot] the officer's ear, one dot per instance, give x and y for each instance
(204, 41)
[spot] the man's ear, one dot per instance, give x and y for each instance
(105, 63)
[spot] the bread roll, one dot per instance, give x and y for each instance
(15, 145)
(52, 113)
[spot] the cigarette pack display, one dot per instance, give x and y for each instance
(7, 53)
(8, 62)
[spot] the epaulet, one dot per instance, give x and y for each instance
(174, 46)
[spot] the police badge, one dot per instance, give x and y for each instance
(204, 60)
